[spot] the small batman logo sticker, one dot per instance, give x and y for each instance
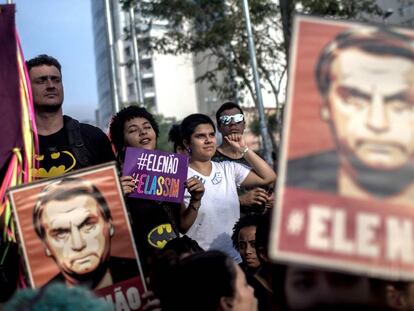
(160, 235)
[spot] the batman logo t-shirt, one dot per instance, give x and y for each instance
(55, 157)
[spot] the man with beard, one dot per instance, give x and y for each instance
(65, 144)
(74, 222)
(366, 81)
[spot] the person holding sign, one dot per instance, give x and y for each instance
(74, 222)
(154, 222)
(211, 223)
(365, 78)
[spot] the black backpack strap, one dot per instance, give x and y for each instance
(81, 153)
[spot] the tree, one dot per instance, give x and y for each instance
(215, 30)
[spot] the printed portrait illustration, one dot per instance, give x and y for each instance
(79, 224)
(346, 176)
(364, 77)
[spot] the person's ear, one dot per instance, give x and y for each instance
(226, 304)
(395, 299)
(187, 146)
(325, 114)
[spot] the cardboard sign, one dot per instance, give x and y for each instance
(345, 192)
(74, 229)
(158, 175)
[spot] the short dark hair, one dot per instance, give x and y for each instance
(174, 136)
(63, 190)
(116, 127)
(199, 280)
(43, 59)
(377, 41)
(243, 222)
(190, 123)
(226, 106)
(183, 245)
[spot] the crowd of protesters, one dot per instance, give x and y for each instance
(216, 257)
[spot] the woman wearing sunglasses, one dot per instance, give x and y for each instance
(212, 219)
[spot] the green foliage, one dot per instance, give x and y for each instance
(164, 126)
(271, 122)
(215, 31)
(339, 9)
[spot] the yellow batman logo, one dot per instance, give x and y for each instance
(160, 235)
(63, 162)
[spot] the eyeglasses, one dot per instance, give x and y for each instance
(226, 120)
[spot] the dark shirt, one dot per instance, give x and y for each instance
(153, 223)
(56, 156)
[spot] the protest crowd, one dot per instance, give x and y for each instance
(209, 251)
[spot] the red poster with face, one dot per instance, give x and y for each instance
(75, 229)
(345, 192)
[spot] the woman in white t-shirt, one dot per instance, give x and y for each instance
(210, 222)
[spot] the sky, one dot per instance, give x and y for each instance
(63, 29)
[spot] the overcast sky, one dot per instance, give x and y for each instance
(63, 29)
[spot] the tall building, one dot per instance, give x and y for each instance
(166, 83)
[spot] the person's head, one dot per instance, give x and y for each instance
(73, 220)
(46, 81)
(174, 136)
(307, 288)
(230, 119)
(365, 78)
(244, 240)
(133, 126)
(400, 296)
(183, 246)
(203, 281)
(199, 136)
(57, 296)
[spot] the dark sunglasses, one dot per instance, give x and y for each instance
(226, 120)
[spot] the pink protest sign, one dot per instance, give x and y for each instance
(158, 175)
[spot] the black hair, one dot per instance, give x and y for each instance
(226, 106)
(43, 59)
(189, 124)
(262, 231)
(183, 245)
(116, 127)
(174, 136)
(378, 41)
(63, 190)
(243, 222)
(196, 282)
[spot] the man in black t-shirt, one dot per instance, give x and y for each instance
(64, 143)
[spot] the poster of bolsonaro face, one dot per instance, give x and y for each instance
(75, 229)
(345, 192)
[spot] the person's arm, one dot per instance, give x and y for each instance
(262, 173)
(189, 214)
